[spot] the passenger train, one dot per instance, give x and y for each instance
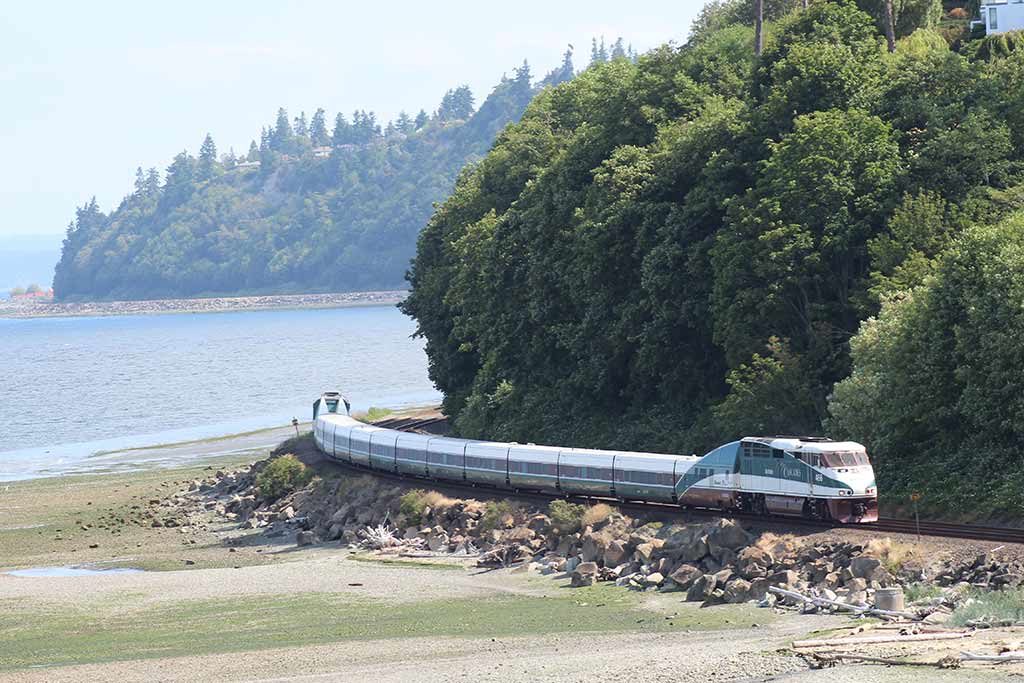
(808, 477)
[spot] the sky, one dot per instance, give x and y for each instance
(90, 91)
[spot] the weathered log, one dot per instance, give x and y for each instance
(1004, 658)
(860, 609)
(870, 640)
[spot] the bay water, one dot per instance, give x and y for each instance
(73, 388)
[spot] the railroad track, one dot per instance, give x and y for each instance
(884, 524)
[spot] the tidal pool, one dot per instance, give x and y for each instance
(71, 571)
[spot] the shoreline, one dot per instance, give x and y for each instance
(226, 304)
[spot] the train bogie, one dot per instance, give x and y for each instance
(487, 463)
(411, 454)
(446, 459)
(586, 472)
(533, 468)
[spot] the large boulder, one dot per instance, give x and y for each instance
(784, 578)
(614, 554)
(702, 588)
(645, 551)
(753, 562)
(655, 579)
(864, 567)
(737, 590)
(584, 574)
(305, 538)
(684, 575)
(726, 533)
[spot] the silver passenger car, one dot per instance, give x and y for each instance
(382, 450)
(446, 458)
(487, 463)
(586, 472)
(359, 444)
(533, 467)
(411, 454)
(645, 476)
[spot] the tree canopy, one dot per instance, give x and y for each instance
(675, 251)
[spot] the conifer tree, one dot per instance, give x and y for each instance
(618, 50)
(254, 152)
(342, 134)
(281, 137)
(207, 158)
(421, 119)
(301, 127)
(404, 123)
(318, 129)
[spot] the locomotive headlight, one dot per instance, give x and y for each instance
(845, 492)
(869, 490)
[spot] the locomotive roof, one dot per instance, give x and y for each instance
(814, 444)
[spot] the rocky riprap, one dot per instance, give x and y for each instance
(710, 562)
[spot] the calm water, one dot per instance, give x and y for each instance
(70, 387)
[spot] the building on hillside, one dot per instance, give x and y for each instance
(1001, 16)
(33, 296)
(248, 164)
(322, 152)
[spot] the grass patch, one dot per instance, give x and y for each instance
(56, 635)
(404, 562)
(1005, 605)
(375, 413)
(921, 591)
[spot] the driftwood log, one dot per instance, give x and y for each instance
(859, 609)
(871, 640)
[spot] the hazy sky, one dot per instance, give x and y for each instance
(90, 90)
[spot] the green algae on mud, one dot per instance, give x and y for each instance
(45, 634)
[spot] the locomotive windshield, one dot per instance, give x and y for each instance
(844, 458)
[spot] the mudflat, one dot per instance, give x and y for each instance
(216, 602)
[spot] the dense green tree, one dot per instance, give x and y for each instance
(938, 379)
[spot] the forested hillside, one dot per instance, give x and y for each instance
(676, 252)
(314, 205)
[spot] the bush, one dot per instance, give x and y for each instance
(496, 515)
(596, 514)
(891, 554)
(281, 476)
(992, 606)
(565, 516)
(413, 504)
